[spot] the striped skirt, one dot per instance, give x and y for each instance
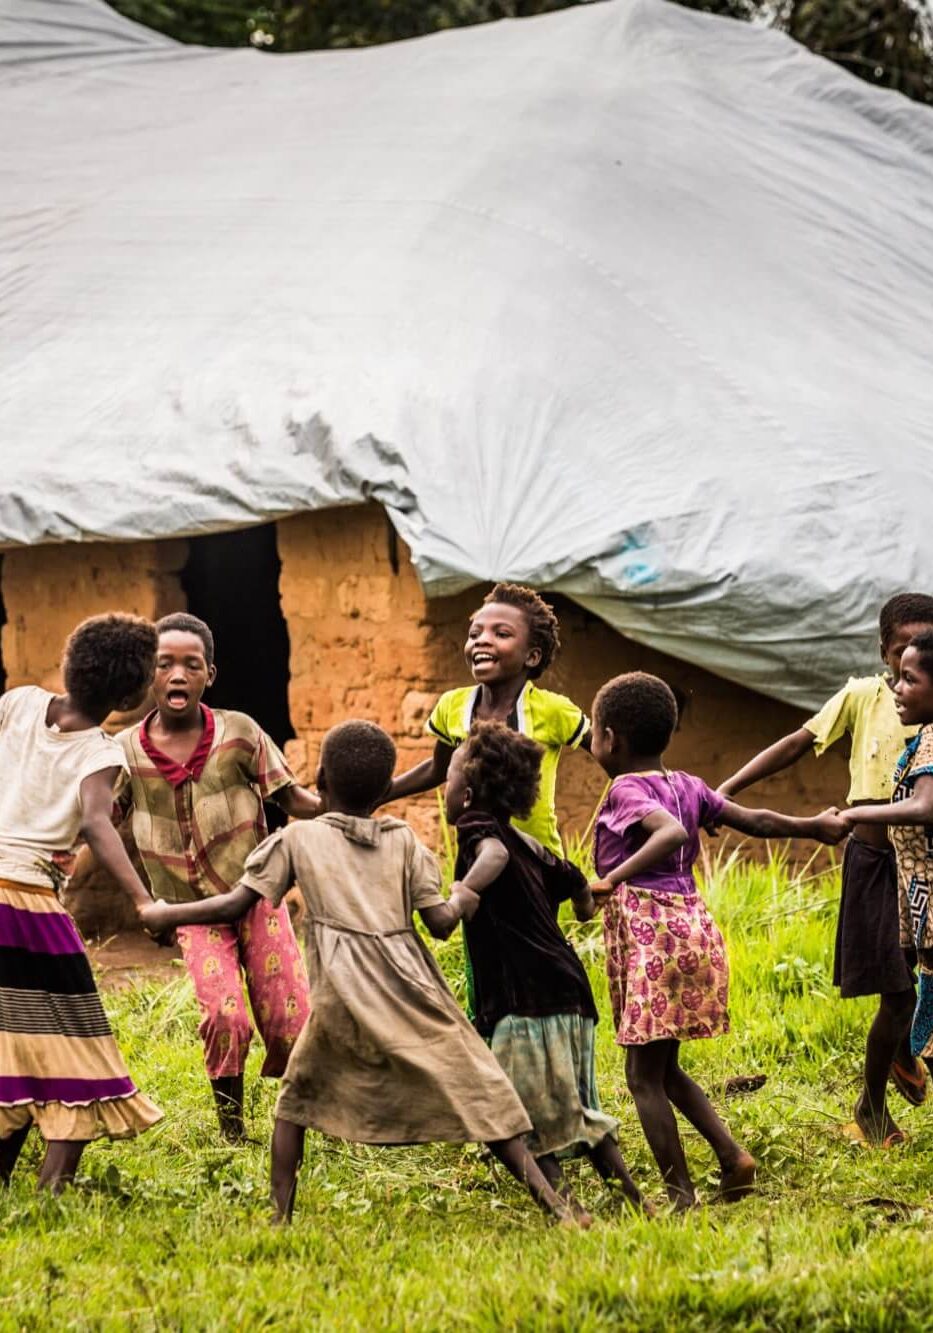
(59, 1064)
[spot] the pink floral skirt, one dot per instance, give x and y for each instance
(667, 966)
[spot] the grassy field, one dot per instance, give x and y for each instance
(172, 1231)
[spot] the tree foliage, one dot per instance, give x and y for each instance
(886, 42)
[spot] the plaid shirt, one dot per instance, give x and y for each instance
(195, 829)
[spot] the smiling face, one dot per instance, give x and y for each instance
(913, 692)
(457, 796)
(893, 651)
(498, 646)
(182, 675)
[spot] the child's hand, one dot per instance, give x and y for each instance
(602, 890)
(155, 921)
(831, 827)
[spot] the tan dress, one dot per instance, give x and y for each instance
(387, 1055)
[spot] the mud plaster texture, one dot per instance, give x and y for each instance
(365, 642)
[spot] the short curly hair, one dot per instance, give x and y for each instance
(904, 608)
(186, 623)
(358, 759)
(543, 625)
(640, 707)
(502, 768)
(109, 660)
(924, 646)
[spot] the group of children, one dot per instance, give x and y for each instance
(369, 1041)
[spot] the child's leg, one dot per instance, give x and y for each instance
(288, 1143)
(888, 1036)
(738, 1166)
(645, 1072)
(212, 958)
(276, 979)
(609, 1162)
(550, 1169)
(518, 1161)
(61, 1162)
(10, 1149)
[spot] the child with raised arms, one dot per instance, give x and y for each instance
(196, 781)
(387, 1056)
(869, 959)
(534, 1004)
(60, 1068)
(665, 955)
(910, 819)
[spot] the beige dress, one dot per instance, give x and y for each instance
(387, 1055)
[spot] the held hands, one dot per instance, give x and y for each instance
(602, 890)
(154, 918)
(466, 899)
(831, 827)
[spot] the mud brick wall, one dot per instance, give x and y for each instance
(366, 643)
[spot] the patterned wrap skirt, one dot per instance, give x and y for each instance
(60, 1067)
(667, 967)
(549, 1062)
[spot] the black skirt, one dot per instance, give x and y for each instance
(869, 958)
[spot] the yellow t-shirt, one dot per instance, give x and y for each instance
(552, 720)
(864, 709)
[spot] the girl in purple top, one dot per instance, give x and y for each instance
(665, 955)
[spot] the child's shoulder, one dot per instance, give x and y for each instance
(236, 724)
(23, 696)
(451, 716)
(555, 718)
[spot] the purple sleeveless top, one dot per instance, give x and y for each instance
(631, 797)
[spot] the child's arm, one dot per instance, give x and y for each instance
(424, 776)
(828, 826)
(299, 802)
(492, 857)
(225, 908)
(914, 809)
(773, 760)
(665, 835)
(97, 830)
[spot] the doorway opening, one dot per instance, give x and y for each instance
(231, 581)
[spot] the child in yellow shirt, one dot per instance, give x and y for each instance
(869, 959)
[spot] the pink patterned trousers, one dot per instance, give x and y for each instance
(263, 946)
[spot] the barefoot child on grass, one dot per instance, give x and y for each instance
(665, 955)
(196, 783)
(869, 957)
(533, 999)
(387, 1056)
(60, 1068)
(910, 819)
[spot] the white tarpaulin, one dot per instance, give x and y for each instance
(627, 301)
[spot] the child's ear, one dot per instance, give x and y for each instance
(534, 658)
(321, 780)
(883, 651)
(211, 675)
(467, 797)
(610, 739)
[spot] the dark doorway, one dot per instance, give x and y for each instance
(232, 581)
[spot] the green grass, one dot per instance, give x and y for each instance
(172, 1231)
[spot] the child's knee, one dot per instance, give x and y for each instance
(227, 1027)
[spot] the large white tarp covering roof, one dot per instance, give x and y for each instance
(627, 301)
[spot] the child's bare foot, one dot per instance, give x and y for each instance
(878, 1129)
(738, 1177)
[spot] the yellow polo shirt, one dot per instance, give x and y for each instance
(553, 720)
(864, 709)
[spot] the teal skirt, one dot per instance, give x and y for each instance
(549, 1062)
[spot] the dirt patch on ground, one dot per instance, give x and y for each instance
(131, 956)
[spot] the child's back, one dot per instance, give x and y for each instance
(387, 1056)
